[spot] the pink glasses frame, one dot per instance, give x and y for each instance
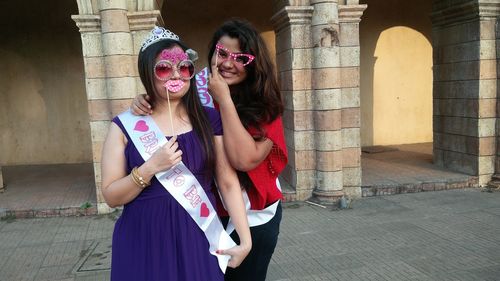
(234, 56)
(175, 68)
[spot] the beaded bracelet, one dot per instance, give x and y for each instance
(138, 179)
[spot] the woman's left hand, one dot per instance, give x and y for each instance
(238, 254)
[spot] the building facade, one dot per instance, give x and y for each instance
(345, 84)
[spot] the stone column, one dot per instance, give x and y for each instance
(465, 86)
(111, 38)
(349, 18)
(89, 24)
(326, 98)
(120, 71)
(495, 183)
(141, 23)
(2, 189)
(293, 52)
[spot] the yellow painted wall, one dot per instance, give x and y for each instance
(396, 73)
(43, 105)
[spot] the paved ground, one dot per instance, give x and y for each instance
(445, 235)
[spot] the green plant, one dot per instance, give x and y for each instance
(86, 205)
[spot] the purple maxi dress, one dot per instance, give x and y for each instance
(155, 238)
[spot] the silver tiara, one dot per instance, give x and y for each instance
(157, 34)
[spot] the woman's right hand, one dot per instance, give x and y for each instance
(140, 105)
(218, 87)
(165, 157)
(237, 253)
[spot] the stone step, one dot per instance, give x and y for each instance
(290, 194)
(495, 180)
(6, 214)
(390, 189)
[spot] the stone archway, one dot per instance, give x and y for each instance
(465, 87)
(319, 39)
(111, 33)
(319, 36)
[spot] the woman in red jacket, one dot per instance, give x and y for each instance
(244, 86)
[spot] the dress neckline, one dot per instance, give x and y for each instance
(181, 134)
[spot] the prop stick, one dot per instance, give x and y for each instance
(170, 113)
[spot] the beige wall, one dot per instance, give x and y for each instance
(43, 107)
(195, 21)
(396, 73)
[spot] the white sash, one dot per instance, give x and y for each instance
(180, 183)
(256, 217)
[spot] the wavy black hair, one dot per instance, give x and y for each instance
(257, 98)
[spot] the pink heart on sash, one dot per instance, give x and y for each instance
(204, 211)
(141, 126)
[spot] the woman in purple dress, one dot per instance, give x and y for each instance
(156, 238)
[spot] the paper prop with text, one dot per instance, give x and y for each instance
(202, 84)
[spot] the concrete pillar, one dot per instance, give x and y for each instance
(119, 72)
(465, 86)
(89, 24)
(495, 183)
(112, 32)
(141, 23)
(294, 53)
(327, 102)
(349, 18)
(2, 189)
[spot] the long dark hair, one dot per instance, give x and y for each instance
(196, 113)
(257, 98)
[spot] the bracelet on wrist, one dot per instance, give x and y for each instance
(138, 179)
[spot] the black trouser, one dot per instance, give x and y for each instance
(264, 240)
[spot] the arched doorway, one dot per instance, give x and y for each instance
(402, 89)
(396, 73)
(397, 100)
(45, 149)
